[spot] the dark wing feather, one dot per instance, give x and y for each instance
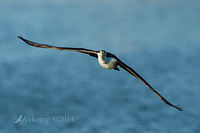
(82, 50)
(132, 72)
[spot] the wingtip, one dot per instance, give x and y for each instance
(20, 37)
(180, 109)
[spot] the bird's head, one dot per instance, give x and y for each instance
(102, 54)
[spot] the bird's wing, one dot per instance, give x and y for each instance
(82, 50)
(132, 72)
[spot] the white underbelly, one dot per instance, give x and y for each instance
(110, 64)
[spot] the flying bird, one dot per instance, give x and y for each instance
(106, 60)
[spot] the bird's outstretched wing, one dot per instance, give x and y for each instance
(82, 50)
(132, 72)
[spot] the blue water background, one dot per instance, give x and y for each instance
(159, 39)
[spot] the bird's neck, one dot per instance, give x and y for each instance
(101, 58)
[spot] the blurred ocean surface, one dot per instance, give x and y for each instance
(159, 39)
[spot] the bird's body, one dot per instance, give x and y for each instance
(106, 62)
(105, 59)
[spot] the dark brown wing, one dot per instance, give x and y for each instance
(132, 72)
(82, 50)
